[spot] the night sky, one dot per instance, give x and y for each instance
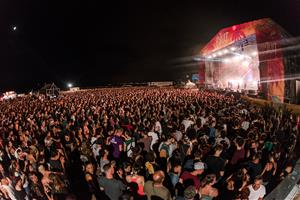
(93, 43)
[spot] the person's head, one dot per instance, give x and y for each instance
(89, 168)
(30, 168)
(103, 152)
(158, 177)
(245, 193)
(67, 137)
(119, 132)
(218, 149)
(33, 177)
(4, 181)
(240, 142)
(150, 156)
(127, 167)
(289, 168)
(54, 153)
(256, 158)
(209, 179)
(1, 167)
(170, 139)
(198, 168)
(269, 165)
(17, 182)
(41, 169)
(177, 168)
(190, 193)
(108, 170)
(230, 184)
(198, 154)
(257, 182)
(136, 168)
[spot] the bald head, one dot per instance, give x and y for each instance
(158, 177)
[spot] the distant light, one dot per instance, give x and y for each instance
(245, 63)
(254, 53)
(226, 60)
(232, 48)
(214, 55)
(14, 28)
(238, 57)
(209, 57)
(197, 59)
(220, 53)
(240, 81)
(225, 51)
(70, 85)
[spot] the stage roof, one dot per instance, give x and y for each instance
(227, 36)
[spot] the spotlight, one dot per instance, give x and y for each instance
(70, 85)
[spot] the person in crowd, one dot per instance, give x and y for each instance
(155, 188)
(199, 168)
(216, 164)
(257, 189)
(135, 178)
(207, 191)
(117, 143)
(92, 181)
(254, 166)
(113, 188)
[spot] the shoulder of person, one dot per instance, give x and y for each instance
(148, 183)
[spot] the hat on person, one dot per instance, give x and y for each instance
(199, 165)
(189, 192)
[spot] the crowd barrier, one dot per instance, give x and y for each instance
(293, 107)
(288, 188)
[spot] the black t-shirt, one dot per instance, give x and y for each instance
(228, 194)
(20, 194)
(215, 165)
(254, 169)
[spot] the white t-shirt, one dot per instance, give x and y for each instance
(95, 147)
(256, 194)
(154, 138)
(187, 123)
(10, 191)
(203, 121)
(157, 127)
(245, 125)
(177, 135)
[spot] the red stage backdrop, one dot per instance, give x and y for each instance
(266, 33)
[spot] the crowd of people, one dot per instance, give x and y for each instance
(143, 143)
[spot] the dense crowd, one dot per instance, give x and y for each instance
(143, 143)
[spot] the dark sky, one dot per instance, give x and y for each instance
(92, 43)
